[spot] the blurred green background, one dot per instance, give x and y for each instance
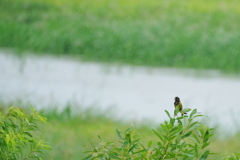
(163, 33)
(160, 33)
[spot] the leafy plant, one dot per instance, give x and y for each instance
(235, 156)
(179, 138)
(18, 135)
(186, 139)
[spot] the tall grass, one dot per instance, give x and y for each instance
(184, 34)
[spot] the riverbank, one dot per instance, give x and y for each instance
(135, 93)
(197, 34)
(70, 132)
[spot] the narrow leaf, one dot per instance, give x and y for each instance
(149, 144)
(172, 121)
(168, 114)
(196, 138)
(165, 128)
(131, 149)
(175, 130)
(193, 113)
(186, 135)
(119, 135)
(176, 110)
(159, 136)
(185, 110)
(196, 149)
(160, 145)
(206, 136)
(27, 133)
(128, 130)
(205, 155)
(205, 145)
(115, 157)
(197, 116)
(193, 124)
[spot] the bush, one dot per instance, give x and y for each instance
(18, 135)
(179, 138)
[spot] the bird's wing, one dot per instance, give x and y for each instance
(180, 106)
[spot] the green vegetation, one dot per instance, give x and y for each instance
(180, 138)
(166, 33)
(18, 135)
(71, 132)
(176, 140)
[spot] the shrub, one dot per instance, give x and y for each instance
(179, 138)
(18, 135)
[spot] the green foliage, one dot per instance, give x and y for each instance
(130, 147)
(74, 127)
(18, 135)
(166, 33)
(183, 138)
(179, 138)
(235, 156)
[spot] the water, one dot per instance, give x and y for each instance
(133, 92)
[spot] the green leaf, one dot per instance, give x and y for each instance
(140, 151)
(99, 137)
(205, 155)
(182, 145)
(193, 113)
(200, 132)
(136, 140)
(178, 118)
(41, 118)
(194, 123)
(195, 138)
(180, 122)
(185, 110)
(160, 145)
(159, 136)
(196, 147)
(7, 139)
(115, 157)
(125, 144)
(176, 111)
(128, 130)
(175, 130)
(149, 144)
(131, 149)
(172, 121)
(206, 136)
(191, 146)
(205, 145)
(119, 135)
(199, 115)
(27, 133)
(165, 128)
(171, 137)
(128, 138)
(168, 114)
(186, 135)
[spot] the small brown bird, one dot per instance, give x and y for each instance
(178, 104)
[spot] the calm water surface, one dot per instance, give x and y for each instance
(133, 92)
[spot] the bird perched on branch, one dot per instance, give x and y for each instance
(178, 106)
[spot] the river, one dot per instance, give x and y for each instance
(135, 93)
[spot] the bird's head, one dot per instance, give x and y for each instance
(177, 99)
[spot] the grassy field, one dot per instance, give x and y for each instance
(164, 33)
(70, 132)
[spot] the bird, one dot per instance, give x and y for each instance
(178, 106)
